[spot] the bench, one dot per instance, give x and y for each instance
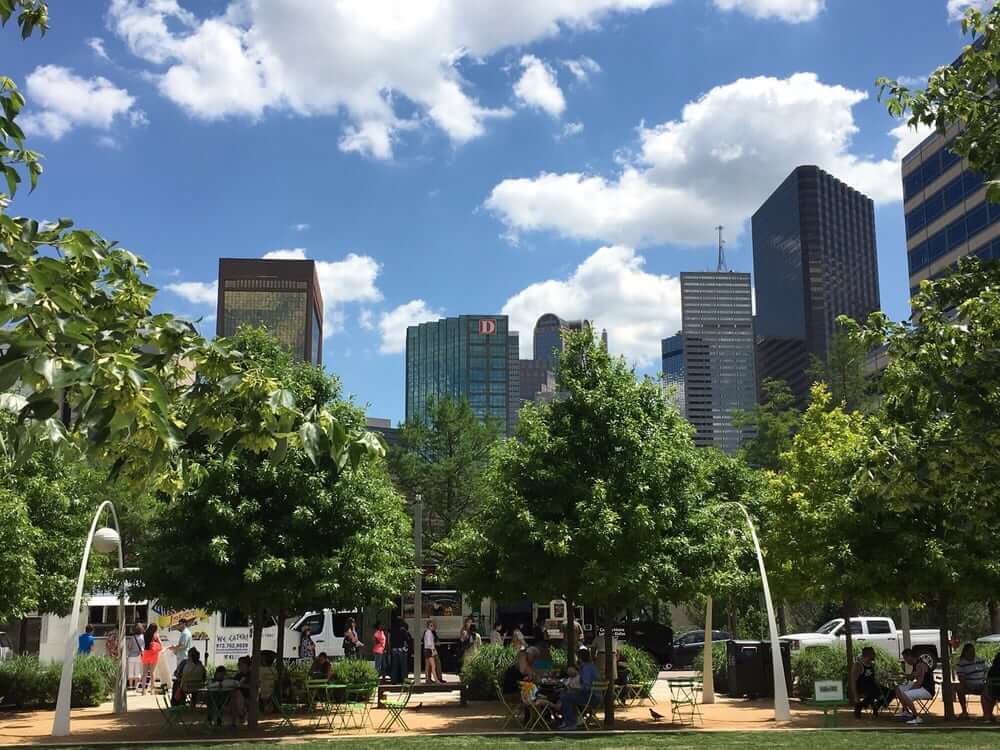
(422, 688)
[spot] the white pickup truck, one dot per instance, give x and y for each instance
(878, 631)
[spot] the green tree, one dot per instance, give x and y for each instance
(965, 94)
(264, 535)
(935, 456)
(843, 371)
(596, 500)
(775, 420)
(444, 460)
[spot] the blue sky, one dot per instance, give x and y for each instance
(448, 157)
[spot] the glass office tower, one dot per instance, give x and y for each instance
(471, 356)
(672, 352)
(718, 355)
(282, 295)
(814, 259)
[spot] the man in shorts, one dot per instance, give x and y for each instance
(919, 688)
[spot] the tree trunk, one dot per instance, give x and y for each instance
(848, 612)
(282, 616)
(253, 707)
(609, 665)
(994, 607)
(947, 694)
(730, 618)
(571, 644)
(22, 636)
(782, 622)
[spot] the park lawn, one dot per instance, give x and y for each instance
(918, 739)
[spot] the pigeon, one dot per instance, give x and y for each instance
(655, 715)
(417, 707)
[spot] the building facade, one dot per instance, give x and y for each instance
(716, 355)
(947, 216)
(470, 356)
(282, 295)
(672, 353)
(814, 259)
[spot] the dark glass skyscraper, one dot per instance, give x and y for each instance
(717, 349)
(814, 259)
(471, 356)
(672, 351)
(282, 295)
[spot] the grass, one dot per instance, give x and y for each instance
(920, 739)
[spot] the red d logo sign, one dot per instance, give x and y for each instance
(487, 327)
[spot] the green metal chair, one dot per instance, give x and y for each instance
(359, 704)
(512, 713)
(538, 716)
(588, 713)
(395, 709)
(685, 701)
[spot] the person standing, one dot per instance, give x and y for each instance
(378, 650)
(475, 642)
(85, 643)
(307, 647)
(463, 639)
(399, 652)
(517, 639)
(352, 644)
(496, 637)
(150, 657)
(185, 642)
(432, 671)
(133, 649)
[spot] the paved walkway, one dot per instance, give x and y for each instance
(428, 714)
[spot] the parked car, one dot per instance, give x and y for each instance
(687, 646)
(654, 637)
(6, 649)
(878, 631)
(994, 638)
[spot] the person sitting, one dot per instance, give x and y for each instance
(321, 668)
(526, 663)
(991, 695)
(971, 673)
(189, 679)
(577, 696)
(867, 691)
(920, 687)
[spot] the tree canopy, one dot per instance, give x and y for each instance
(596, 499)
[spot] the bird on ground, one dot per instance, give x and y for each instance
(655, 715)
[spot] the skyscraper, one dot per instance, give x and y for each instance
(282, 295)
(471, 356)
(538, 373)
(814, 259)
(672, 351)
(715, 352)
(947, 216)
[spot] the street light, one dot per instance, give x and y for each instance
(782, 711)
(104, 541)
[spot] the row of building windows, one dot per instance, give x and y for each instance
(987, 251)
(943, 200)
(268, 284)
(959, 231)
(933, 167)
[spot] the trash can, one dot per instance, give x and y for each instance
(750, 672)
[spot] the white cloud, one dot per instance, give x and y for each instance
(366, 319)
(97, 45)
(790, 11)
(61, 100)
(106, 141)
(537, 87)
(196, 292)
(300, 227)
(913, 81)
(957, 8)
(908, 138)
(393, 324)
(612, 289)
(570, 129)
(341, 281)
(353, 57)
(715, 165)
(582, 67)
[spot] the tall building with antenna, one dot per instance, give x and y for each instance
(716, 347)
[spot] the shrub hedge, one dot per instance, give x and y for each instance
(26, 682)
(829, 663)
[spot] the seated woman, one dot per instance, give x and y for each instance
(190, 678)
(321, 668)
(577, 694)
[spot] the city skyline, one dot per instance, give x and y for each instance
(589, 155)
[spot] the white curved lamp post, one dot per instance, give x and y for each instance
(782, 711)
(104, 540)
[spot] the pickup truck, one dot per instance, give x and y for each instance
(878, 631)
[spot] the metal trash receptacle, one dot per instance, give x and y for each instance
(750, 672)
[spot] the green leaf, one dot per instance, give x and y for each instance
(309, 436)
(40, 409)
(46, 367)
(281, 399)
(10, 372)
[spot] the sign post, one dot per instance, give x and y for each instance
(418, 588)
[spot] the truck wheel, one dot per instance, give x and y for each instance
(921, 651)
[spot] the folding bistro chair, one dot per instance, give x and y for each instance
(395, 709)
(358, 706)
(588, 713)
(269, 698)
(685, 701)
(537, 715)
(643, 691)
(511, 713)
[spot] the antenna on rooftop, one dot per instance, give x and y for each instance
(722, 268)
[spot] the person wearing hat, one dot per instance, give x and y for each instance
(578, 696)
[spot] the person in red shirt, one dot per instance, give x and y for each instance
(378, 650)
